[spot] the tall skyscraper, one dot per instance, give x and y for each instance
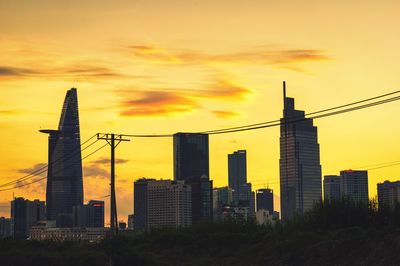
(299, 164)
(191, 164)
(162, 203)
(64, 175)
(388, 194)
(237, 174)
(222, 197)
(25, 214)
(265, 200)
(354, 185)
(332, 187)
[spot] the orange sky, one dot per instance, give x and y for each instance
(169, 66)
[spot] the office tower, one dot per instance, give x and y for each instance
(140, 203)
(388, 194)
(191, 164)
(5, 227)
(354, 185)
(332, 187)
(162, 203)
(265, 200)
(24, 215)
(64, 177)
(222, 197)
(237, 173)
(89, 215)
(98, 212)
(299, 164)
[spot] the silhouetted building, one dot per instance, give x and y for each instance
(222, 197)
(237, 173)
(388, 194)
(24, 215)
(332, 187)
(64, 177)
(5, 227)
(89, 215)
(299, 164)
(265, 200)
(162, 203)
(354, 185)
(191, 164)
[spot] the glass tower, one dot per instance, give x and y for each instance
(64, 176)
(299, 164)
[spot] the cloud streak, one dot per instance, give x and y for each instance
(171, 102)
(279, 58)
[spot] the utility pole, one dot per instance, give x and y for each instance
(113, 140)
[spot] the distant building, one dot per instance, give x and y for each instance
(64, 176)
(332, 189)
(265, 217)
(237, 174)
(354, 185)
(93, 234)
(388, 194)
(191, 164)
(131, 222)
(24, 215)
(236, 213)
(122, 226)
(162, 203)
(265, 200)
(5, 227)
(89, 215)
(222, 197)
(299, 164)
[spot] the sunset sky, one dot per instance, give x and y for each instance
(164, 66)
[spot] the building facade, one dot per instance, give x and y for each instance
(64, 176)
(332, 186)
(25, 214)
(191, 164)
(5, 227)
(265, 200)
(388, 194)
(299, 164)
(162, 203)
(222, 197)
(354, 185)
(237, 174)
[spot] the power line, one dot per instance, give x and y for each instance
(40, 179)
(43, 169)
(277, 122)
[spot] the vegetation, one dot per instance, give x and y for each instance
(332, 233)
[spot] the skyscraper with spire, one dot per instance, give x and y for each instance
(64, 176)
(299, 164)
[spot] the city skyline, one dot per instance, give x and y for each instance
(147, 80)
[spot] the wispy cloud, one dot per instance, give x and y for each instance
(94, 170)
(225, 114)
(36, 168)
(280, 58)
(170, 102)
(106, 161)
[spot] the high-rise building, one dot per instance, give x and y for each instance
(191, 164)
(5, 227)
(24, 215)
(332, 187)
(131, 222)
(64, 176)
(98, 212)
(388, 194)
(89, 215)
(222, 197)
(299, 164)
(265, 200)
(162, 203)
(354, 185)
(237, 173)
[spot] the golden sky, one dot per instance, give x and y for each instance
(166, 66)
